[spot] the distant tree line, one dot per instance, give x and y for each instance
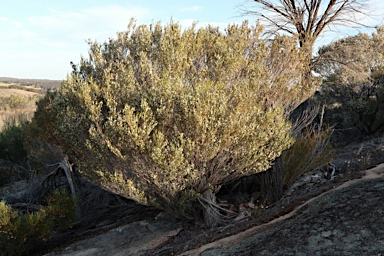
(39, 83)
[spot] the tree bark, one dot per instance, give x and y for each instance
(211, 216)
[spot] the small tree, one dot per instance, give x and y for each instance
(353, 71)
(165, 116)
(308, 20)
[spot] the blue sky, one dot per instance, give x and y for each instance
(39, 38)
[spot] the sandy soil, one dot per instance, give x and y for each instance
(16, 92)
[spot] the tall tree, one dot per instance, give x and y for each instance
(308, 19)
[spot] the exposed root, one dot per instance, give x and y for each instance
(67, 168)
(213, 213)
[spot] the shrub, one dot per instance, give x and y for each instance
(353, 87)
(39, 135)
(20, 232)
(61, 208)
(43, 120)
(12, 139)
(164, 115)
(13, 154)
(14, 102)
(11, 172)
(10, 238)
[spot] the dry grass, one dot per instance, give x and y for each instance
(312, 150)
(5, 84)
(6, 115)
(27, 110)
(7, 92)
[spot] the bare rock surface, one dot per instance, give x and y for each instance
(133, 239)
(348, 220)
(343, 215)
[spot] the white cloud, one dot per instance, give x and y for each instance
(19, 36)
(43, 43)
(186, 23)
(59, 21)
(17, 24)
(43, 46)
(10, 23)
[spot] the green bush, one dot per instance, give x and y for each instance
(164, 115)
(39, 135)
(353, 88)
(43, 120)
(361, 106)
(19, 233)
(61, 209)
(12, 139)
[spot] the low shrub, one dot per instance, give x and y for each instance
(20, 232)
(61, 208)
(353, 82)
(12, 139)
(14, 102)
(11, 172)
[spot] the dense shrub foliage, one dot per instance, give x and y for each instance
(163, 115)
(15, 102)
(353, 71)
(12, 139)
(20, 232)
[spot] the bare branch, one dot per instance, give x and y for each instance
(308, 18)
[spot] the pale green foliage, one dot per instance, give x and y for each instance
(353, 71)
(21, 232)
(163, 114)
(350, 61)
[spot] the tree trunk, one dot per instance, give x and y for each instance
(211, 214)
(307, 48)
(272, 184)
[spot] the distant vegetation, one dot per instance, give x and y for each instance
(18, 97)
(34, 83)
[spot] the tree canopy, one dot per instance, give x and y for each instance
(353, 72)
(308, 19)
(352, 60)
